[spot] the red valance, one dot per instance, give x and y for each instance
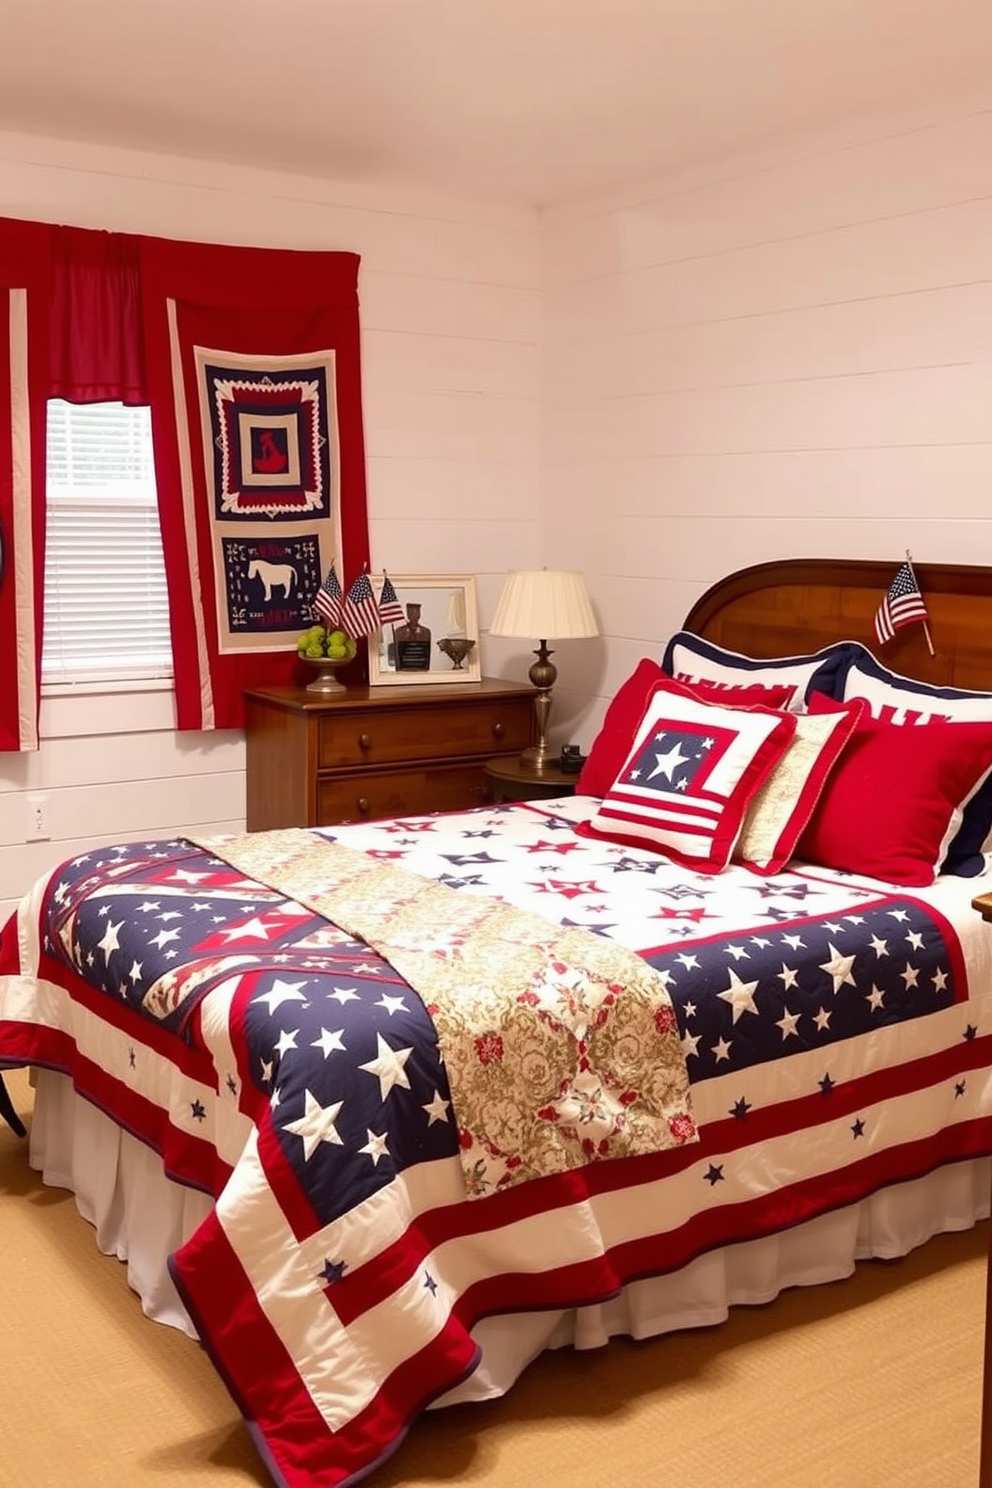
(97, 339)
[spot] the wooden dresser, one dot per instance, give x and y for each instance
(377, 751)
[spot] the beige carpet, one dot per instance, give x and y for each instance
(870, 1383)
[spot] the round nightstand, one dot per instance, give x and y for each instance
(511, 780)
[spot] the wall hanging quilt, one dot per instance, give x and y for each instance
(253, 369)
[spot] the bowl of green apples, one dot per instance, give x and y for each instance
(326, 651)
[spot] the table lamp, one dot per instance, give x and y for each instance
(540, 605)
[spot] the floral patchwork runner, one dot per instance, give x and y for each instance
(561, 1046)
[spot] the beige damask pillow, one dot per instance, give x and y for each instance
(784, 803)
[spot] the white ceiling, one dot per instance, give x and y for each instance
(525, 101)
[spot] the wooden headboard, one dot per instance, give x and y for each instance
(796, 605)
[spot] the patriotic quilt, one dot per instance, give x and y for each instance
(560, 1046)
(836, 1037)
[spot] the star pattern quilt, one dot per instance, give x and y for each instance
(831, 1037)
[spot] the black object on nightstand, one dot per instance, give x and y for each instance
(572, 759)
(510, 780)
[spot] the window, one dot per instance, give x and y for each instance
(106, 602)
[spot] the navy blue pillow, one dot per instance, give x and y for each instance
(691, 657)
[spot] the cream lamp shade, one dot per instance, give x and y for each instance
(542, 604)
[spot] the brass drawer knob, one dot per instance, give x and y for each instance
(498, 731)
(365, 741)
(363, 805)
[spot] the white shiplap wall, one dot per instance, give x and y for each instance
(779, 357)
(770, 357)
(450, 309)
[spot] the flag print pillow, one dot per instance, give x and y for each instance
(687, 781)
(612, 744)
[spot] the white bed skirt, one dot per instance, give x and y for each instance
(141, 1217)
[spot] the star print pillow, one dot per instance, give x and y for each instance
(612, 744)
(687, 781)
(895, 799)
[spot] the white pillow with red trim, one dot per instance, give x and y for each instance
(692, 772)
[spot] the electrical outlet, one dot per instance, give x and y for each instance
(36, 826)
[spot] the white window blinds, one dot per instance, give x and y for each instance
(106, 614)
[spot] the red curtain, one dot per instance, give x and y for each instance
(249, 359)
(24, 304)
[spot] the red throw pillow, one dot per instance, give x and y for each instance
(612, 744)
(895, 798)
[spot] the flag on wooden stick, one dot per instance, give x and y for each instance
(359, 611)
(903, 605)
(390, 610)
(328, 600)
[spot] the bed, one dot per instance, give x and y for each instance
(729, 1029)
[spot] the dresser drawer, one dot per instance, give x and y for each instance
(412, 792)
(377, 751)
(412, 733)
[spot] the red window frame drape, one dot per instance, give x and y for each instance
(25, 279)
(95, 316)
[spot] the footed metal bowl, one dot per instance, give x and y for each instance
(325, 667)
(456, 648)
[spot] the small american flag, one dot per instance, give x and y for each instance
(903, 605)
(390, 609)
(360, 612)
(328, 600)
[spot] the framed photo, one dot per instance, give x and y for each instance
(436, 641)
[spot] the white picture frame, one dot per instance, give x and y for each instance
(448, 611)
